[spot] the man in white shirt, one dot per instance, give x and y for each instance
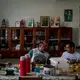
(70, 53)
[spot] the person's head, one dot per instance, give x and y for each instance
(43, 46)
(70, 47)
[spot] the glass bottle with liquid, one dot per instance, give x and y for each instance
(37, 68)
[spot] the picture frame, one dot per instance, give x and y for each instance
(44, 21)
(55, 21)
(68, 15)
(17, 24)
(30, 22)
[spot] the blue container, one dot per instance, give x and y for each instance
(37, 69)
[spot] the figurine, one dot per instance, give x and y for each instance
(22, 23)
(3, 23)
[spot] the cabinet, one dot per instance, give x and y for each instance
(4, 38)
(9, 37)
(58, 37)
(14, 37)
(41, 34)
(29, 38)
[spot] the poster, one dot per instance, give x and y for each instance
(68, 15)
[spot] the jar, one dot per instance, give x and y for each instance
(37, 68)
(49, 70)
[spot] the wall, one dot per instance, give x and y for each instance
(14, 10)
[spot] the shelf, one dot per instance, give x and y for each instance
(3, 39)
(53, 39)
(28, 43)
(28, 35)
(3, 45)
(15, 39)
(40, 35)
(65, 39)
(58, 39)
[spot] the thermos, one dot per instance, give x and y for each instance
(27, 63)
(22, 66)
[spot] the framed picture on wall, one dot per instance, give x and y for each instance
(68, 15)
(44, 21)
(30, 22)
(17, 24)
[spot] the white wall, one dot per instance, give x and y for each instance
(14, 10)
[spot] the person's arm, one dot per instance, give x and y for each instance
(30, 53)
(63, 55)
(48, 60)
(48, 57)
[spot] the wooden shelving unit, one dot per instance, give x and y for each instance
(29, 38)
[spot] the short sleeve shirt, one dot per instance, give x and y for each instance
(67, 55)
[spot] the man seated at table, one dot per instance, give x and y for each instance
(39, 55)
(70, 53)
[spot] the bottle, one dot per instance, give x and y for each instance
(22, 23)
(37, 68)
(27, 63)
(25, 39)
(33, 66)
(3, 23)
(76, 77)
(22, 66)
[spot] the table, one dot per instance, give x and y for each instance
(48, 77)
(8, 77)
(37, 76)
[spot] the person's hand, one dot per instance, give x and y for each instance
(71, 61)
(68, 60)
(78, 61)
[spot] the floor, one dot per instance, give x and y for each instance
(13, 61)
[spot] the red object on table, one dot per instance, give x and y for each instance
(27, 63)
(22, 66)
